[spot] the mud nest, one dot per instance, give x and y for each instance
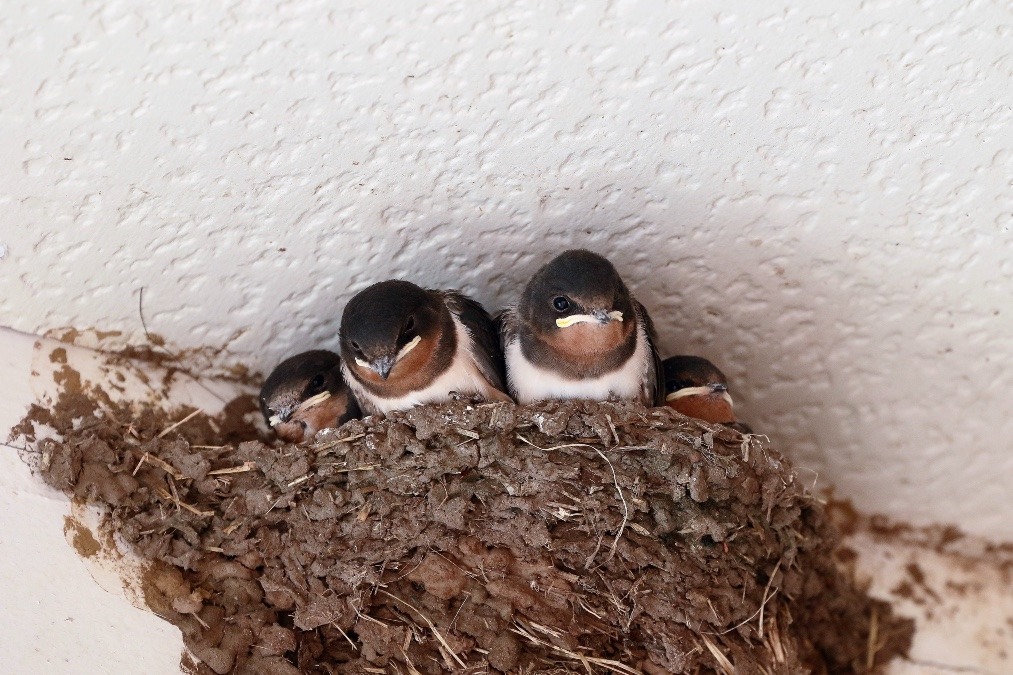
(481, 538)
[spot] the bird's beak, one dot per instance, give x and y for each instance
(383, 365)
(281, 416)
(722, 389)
(599, 316)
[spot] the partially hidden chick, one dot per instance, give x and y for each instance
(307, 393)
(695, 387)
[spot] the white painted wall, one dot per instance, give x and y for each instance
(815, 195)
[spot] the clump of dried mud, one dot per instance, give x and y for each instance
(479, 538)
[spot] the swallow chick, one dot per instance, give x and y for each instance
(403, 345)
(695, 387)
(307, 393)
(578, 333)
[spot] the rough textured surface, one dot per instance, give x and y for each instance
(816, 197)
(553, 538)
(955, 587)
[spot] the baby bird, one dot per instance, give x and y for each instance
(695, 387)
(403, 345)
(306, 393)
(578, 333)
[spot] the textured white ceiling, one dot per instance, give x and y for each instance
(817, 195)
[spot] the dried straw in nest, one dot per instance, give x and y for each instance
(553, 538)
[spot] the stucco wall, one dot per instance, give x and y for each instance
(815, 195)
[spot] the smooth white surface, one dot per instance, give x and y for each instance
(56, 618)
(960, 602)
(815, 195)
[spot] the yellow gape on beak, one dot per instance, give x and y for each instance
(275, 420)
(408, 347)
(566, 321)
(313, 400)
(697, 391)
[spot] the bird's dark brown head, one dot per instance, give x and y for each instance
(578, 303)
(685, 372)
(695, 387)
(390, 326)
(304, 392)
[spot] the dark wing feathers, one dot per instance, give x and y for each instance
(654, 382)
(507, 326)
(483, 331)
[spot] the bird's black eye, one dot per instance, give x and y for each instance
(561, 303)
(355, 346)
(410, 325)
(316, 385)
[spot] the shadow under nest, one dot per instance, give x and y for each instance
(563, 537)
